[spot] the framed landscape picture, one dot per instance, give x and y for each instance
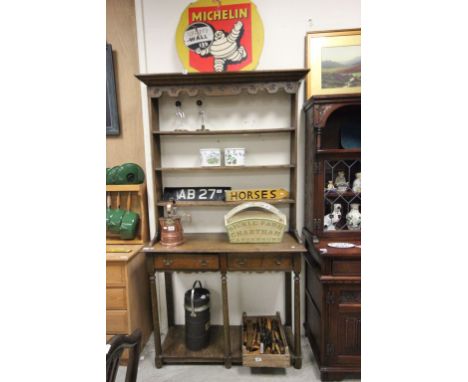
(334, 60)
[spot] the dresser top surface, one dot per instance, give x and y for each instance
(219, 243)
(122, 252)
(336, 252)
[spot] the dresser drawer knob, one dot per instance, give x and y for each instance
(203, 263)
(278, 262)
(240, 262)
(167, 262)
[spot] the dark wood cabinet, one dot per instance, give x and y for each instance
(333, 275)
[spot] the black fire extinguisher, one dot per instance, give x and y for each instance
(197, 317)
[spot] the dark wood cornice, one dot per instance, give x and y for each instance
(354, 98)
(245, 77)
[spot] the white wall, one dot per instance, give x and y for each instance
(285, 25)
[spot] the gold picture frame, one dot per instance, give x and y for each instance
(334, 60)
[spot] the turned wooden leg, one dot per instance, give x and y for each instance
(156, 329)
(227, 331)
(169, 299)
(297, 322)
(287, 299)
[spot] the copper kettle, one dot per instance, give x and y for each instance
(172, 233)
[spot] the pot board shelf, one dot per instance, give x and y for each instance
(175, 351)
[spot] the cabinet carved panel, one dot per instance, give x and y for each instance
(352, 335)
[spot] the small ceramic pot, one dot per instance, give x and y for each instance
(210, 157)
(234, 156)
(129, 225)
(129, 173)
(115, 220)
(108, 215)
(111, 175)
(353, 218)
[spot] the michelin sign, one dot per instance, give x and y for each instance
(220, 36)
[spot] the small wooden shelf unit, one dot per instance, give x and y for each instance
(212, 251)
(131, 197)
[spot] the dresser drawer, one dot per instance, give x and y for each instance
(346, 267)
(116, 298)
(115, 274)
(117, 321)
(250, 262)
(187, 261)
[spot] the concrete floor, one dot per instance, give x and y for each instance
(216, 373)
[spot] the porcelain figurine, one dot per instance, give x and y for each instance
(357, 183)
(353, 218)
(330, 220)
(340, 182)
(330, 186)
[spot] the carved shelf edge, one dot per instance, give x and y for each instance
(223, 89)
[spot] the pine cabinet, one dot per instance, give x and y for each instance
(127, 293)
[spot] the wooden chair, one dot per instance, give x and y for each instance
(118, 344)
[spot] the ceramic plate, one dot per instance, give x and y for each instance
(341, 245)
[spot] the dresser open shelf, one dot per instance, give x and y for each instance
(226, 168)
(225, 132)
(223, 203)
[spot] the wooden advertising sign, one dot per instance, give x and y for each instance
(256, 194)
(220, 36)
(194, 193)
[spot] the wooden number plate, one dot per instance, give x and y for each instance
(256, 194)
(195, 193)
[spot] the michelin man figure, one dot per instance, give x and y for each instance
(224, 48)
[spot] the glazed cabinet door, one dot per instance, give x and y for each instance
(339, 204)
(343, 344)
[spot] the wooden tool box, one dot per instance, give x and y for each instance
(254, 353)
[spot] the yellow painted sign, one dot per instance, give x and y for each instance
(256, 194)
(220, 36)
